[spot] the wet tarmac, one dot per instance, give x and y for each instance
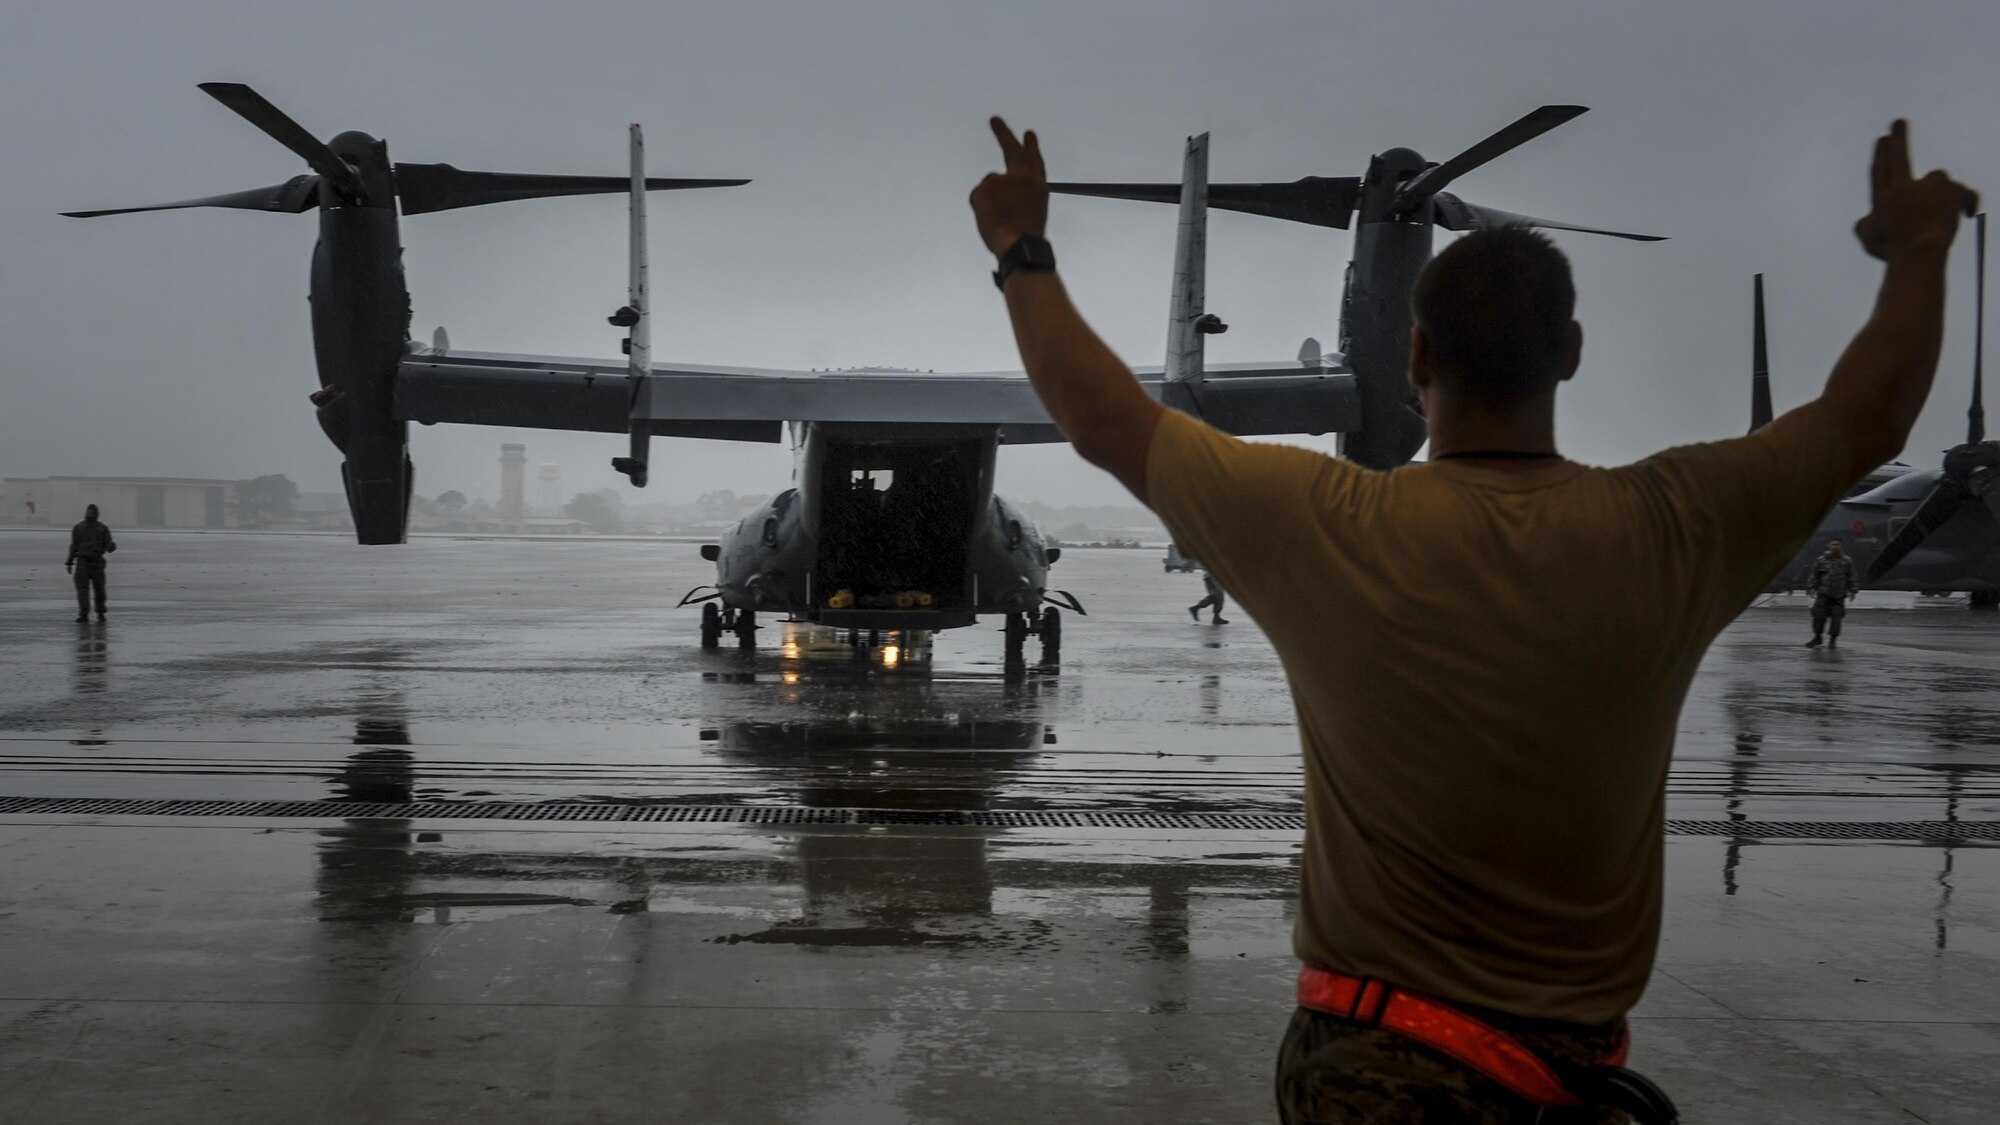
(804, 885)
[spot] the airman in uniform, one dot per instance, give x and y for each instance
(89, 542)
(1832, 584)
(1214, 599)
(1480, 885)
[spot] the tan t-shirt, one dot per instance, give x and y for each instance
(1488, 666)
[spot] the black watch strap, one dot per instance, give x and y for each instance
(1029, 252)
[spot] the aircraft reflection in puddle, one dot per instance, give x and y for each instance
(856, 886)
(886, 888)
(363, 868)
(875, 729)
(1749, 707)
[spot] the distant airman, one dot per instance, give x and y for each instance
(1832, 584)
(89, 542)
(1214, 598)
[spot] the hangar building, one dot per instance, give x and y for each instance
(121, 501)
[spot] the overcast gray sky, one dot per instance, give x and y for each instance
(177, 343)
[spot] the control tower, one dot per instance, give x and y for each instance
(513, 483)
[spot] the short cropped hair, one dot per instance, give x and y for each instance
(1496, 307)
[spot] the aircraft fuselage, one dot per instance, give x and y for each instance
(888, 526)
(1962, 554)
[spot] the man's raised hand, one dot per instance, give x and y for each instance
(1907, 215)
(1015, 202)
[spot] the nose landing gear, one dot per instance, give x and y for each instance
(715, 621)
(1020, 626)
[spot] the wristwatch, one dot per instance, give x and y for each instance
(1029, 252)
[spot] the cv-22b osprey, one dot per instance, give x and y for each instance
(893, 523)
(1927, 530)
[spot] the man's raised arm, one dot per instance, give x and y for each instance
(1088, 390)
(1880, 382)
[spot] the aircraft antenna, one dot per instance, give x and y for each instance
(1760, 365)
(1976, 417)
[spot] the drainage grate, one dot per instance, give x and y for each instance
(1945, 830)
(1840, 829)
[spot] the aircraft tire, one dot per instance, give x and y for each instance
(1017, 636)
(746, 628)
(1051, 634)
(711, 626)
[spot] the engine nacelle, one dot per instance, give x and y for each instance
(361, 331)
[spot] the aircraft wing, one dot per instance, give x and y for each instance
(752, 404)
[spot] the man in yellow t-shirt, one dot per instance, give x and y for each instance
(1488, 652)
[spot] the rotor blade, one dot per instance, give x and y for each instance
(1453, 213)
(1321, 201)
(1526, 129)
(297, 194)
(251, 106)
(1976, 417)
(424, 188)
(1944, 501)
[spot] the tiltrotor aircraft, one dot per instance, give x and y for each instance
(893, 523)
(1927, 530)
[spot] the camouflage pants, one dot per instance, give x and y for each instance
(1333, 1071)
(89, 578)
(1825, 608)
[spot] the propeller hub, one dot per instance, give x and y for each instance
(354, 146)
(369, 159)
(1400, 164)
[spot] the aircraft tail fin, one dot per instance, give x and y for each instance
(1760, 366)
(640, 350)
(1187, 321)
(635, 316)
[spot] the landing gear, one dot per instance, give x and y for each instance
(715, 621)
(1984, 600)
(1020, 626)
(1016, 633)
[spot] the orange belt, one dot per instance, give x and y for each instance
(1437, 1025)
